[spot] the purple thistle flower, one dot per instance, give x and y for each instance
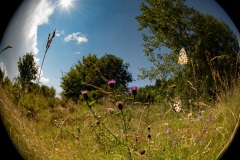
(149, 127)
(84, 93)
(111, 83)
(149, 135)
(133, 89)
(119, 104)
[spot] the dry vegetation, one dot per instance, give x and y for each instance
(75, 131)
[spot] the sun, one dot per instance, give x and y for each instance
(66, 4)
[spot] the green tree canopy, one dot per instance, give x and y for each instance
(94, 71)
(210, 44)
(48, 92)
(27, 68)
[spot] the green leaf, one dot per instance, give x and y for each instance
(91, 103)
(137, 103)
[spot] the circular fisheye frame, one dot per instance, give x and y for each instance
(171, 65)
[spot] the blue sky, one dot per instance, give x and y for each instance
(85, 26)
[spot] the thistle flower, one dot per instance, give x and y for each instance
(84, 93)
(142, 152)
(149, 127)
(119, 104)
(149, 135)
(111, 83)
(134, 90)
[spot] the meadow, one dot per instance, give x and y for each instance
(44, 128)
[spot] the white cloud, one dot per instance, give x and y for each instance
(79, 37)
(21, 33)
(42, 79)
(58, 33)
(40, 16)
(78, 52)
(36, 60)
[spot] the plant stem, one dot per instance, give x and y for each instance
(125, 132)
(102, 123)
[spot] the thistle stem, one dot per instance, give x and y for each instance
(101, 123)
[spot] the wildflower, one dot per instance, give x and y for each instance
(149, 135)
(199, 116)
(111, 83)
(84, 93)
(168, 131)
(149, 127)
(142, 152)
(119, 104)
(134, 90)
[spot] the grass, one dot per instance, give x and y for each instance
(73, 132)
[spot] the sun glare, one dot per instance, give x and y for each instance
(66, 4)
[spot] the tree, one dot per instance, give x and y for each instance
(112, 67)
(48, 92)
(27, 69)
(91, 72)
(210, 44)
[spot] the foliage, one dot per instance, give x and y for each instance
(48, 92)
(142, 93)
(41, 132)
(173, 25)
(27, 68)
(94, 71)
(112, 67)
(34, 88)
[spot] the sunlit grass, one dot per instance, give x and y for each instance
(72, 132)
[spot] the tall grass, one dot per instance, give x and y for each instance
(73, 132)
